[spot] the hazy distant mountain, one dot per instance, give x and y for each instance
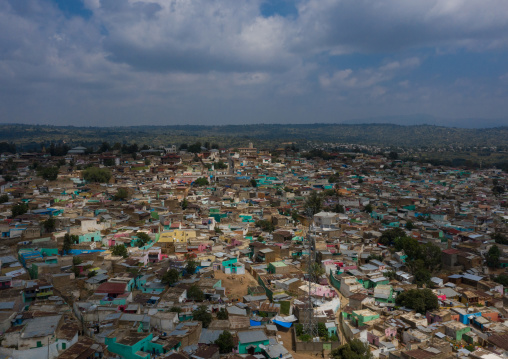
(422, 119)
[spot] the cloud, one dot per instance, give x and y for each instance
(343, 26)
(368, 78)
(191, 61)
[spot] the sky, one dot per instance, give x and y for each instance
(165, 62)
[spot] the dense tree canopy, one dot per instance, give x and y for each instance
(420, 300)
(389, 236)
(96, 174)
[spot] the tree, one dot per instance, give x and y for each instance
(499, 238)
(355, 349)
(393, 155)
(502, 279)
(48, 173)
(317, 270)
(313, 204)
(171, 276)
(338, 208)
(4, 198)
(368, 208)
(253, 183)
(498, 190)
(67, 243)
(225, 342)
(19, 209)
(201, 181)
(195, 293)
(76, 260)
(409, 225)
(143, 239)
(220, 165)
(92, 274)
(184, 204)
(175, 309)
(121, 194)
(388, 237)
(420, 272)
(265, 225)
(191, 266)
(49, 225)
(420, 300)
(222, 314)
(195, 147)
(96, 174)
(492, 256)
(119, 250)
(202, 315)
(105, 147)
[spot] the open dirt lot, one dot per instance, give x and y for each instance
(236, 285)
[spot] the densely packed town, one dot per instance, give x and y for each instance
(249, 253)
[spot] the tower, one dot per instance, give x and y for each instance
(310, 326)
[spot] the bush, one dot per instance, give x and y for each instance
(305, 338)
(222, 314)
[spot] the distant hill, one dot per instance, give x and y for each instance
(431, 120)
(267, 135)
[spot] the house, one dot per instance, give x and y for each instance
(111, 289)
(131, 344)
(360, 317)
(249, 342)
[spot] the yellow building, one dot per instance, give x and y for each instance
(177, 236)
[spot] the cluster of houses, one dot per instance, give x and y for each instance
(84, 270)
